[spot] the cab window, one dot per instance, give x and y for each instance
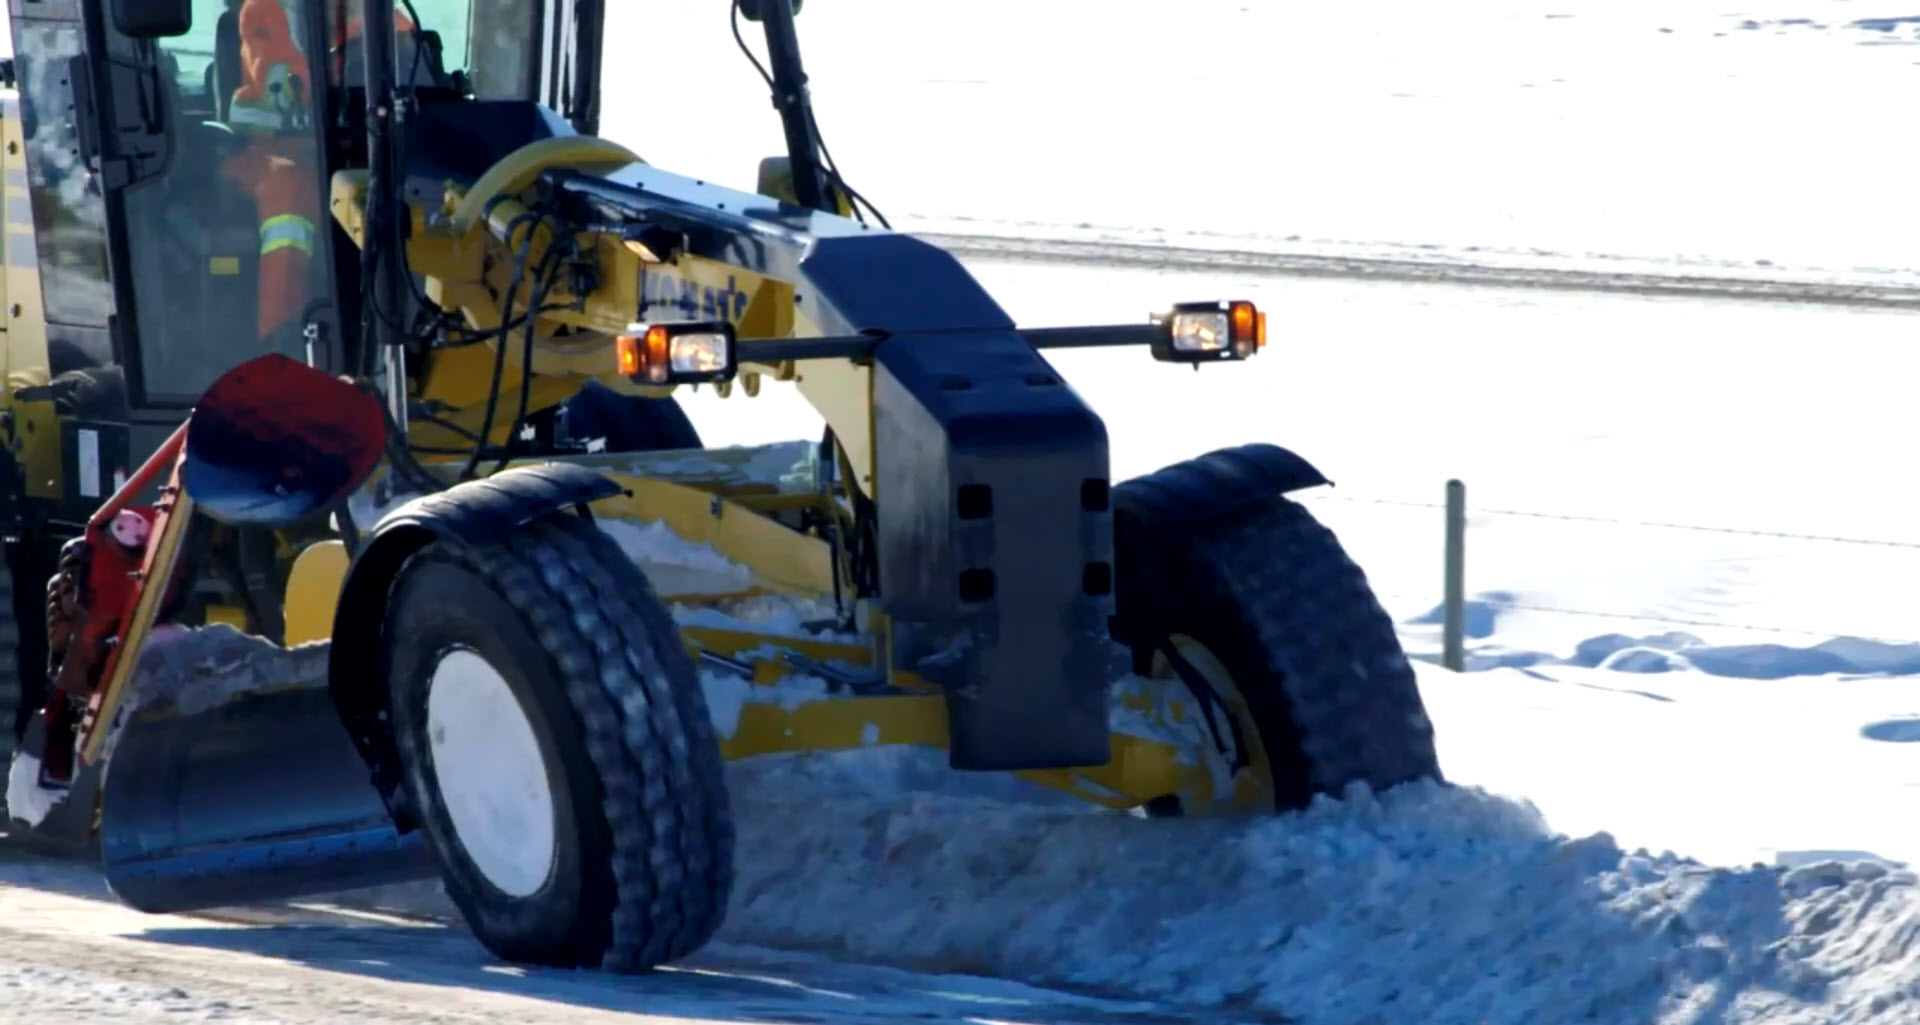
(225, 247)
(493, 41)
(67, 206)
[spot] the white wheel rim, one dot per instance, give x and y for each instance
(491, 775)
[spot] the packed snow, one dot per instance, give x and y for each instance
(1428, 904)
(1436, 904)
(673, 565)
(27, 800)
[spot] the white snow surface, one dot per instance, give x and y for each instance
(765, 614)
(27, 800)
(674, 565)
(1613, 133)
(1433, 905)
(728, 695)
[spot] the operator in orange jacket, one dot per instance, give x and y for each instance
(280, 166)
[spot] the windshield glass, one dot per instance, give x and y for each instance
(492, 40)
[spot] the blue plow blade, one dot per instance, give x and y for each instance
(261, 798)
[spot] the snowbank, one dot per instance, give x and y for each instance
(1667, 651)
(1433, 904)
(1426, 904)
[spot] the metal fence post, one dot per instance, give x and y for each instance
(1453, 603)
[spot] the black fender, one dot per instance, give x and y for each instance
(1188, 496)
(474, 512)
(1157, 516)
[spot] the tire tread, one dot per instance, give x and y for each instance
(646, 728)
(1212, 545)
(1350, 689)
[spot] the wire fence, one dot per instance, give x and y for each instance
(1624, 522)
(1450, 606)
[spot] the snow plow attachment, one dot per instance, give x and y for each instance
(216, 797)
(230, 778)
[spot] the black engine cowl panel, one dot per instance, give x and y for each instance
(997, 545)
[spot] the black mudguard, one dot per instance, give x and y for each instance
(1214, 487)
(1183, 500)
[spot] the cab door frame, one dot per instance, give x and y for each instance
(130, 114)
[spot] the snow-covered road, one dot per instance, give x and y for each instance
(69, 953)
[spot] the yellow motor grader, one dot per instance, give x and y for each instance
(436, 579)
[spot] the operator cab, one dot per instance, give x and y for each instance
(181, 209)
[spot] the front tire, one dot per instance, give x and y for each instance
(559, 749)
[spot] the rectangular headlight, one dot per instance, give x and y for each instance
(1200, 331)
(1206, 331)
(700, 352)
(666, 354)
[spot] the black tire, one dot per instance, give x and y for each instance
(644, 862)
(1273, 595)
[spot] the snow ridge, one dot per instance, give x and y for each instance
(1447, 906)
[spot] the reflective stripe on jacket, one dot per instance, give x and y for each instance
(280, 173)
(283, 231)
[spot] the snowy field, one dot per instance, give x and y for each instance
(1749, 135)
(1666, 735)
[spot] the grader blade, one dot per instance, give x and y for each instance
(213, 800)
(230, 777)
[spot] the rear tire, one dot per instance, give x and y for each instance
(555, 632)
(1273, 597)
